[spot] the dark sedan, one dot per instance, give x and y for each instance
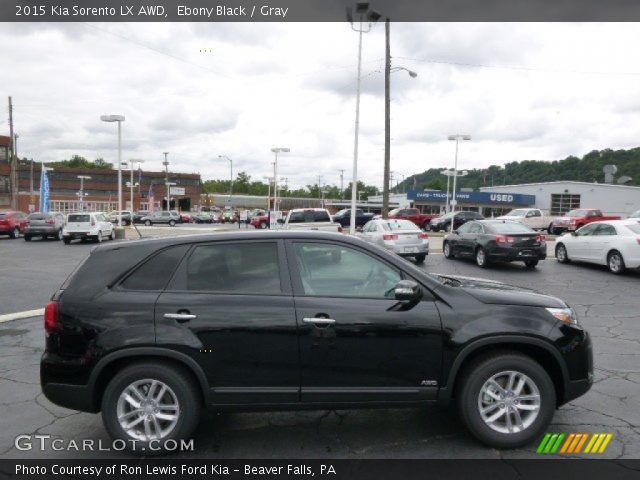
(490, 241)
(458, 218)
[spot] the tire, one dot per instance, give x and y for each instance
(475, 379)
(531, 263)
(181, 391)
(27, 238)
(66, 241)
(561, 254)
(615, 262)
(99, 237)
(448, 251)
(15, 233)
(481, 258)
(425, 226)
(172, 223)
(148, 223)
(550, 229)
(263, 225)
(112, 235)
(59, 235)
(420, 258)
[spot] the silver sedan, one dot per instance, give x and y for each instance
(399, 236)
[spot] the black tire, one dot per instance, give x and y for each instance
(420, 258)
(148, 223)
(27, 238)
(531, 263)
(172, 223)
(615, 262)
(66, 241)
(448, 251)
(112, 235)
(481, 258)
(425, 226)
(15, 233)
(550, 229)
(59, 235)
(472, 380)
(177, 379)
(263, 225)
(561, 254)
(99, 237)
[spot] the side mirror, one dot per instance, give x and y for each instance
(281, 221)
(407, 291)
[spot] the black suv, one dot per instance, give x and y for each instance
(301, 320)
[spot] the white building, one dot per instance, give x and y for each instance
(559, 197)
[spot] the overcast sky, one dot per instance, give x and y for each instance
(523, 91)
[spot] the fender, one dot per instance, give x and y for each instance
(445, 393)
(187, 361)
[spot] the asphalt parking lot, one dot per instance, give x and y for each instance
(608, 306)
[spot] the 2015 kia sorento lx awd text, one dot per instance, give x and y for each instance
(150, 331)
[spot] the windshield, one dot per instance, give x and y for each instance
(577, 213)
(517, 213)
(400, 225)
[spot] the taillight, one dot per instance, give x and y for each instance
(423, 235)
(504, 239)
(51, 221)
(390, 236)
(638, 240)
(541, 238)
(339, 228)
(50, 317)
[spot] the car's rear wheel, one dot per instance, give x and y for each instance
(263, 224)
(147, 223)
(151, 402)
(15, 233)
(448, 251)
(420, 258)
(531, 263)
(112, 235)
(481, 258)
(506, 400)
(615, 262)
(27, 238)
(99, 237)
(172, 223)
(59, 236)
(66, 241)
(561, 254)
(550, 229)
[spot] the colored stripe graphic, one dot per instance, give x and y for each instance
(572, 443)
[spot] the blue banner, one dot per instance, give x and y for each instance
(44, 190)
(483, 198)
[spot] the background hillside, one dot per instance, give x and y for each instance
(585, 169)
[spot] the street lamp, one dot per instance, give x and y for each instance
(268, 179)
(81, 194)
(119, 119)
(166, 175)
(131, 162)
(168, 186)
(231, 178)
(371, 16)
(457, 137)
(277, 150)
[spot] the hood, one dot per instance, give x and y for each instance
(498, 293)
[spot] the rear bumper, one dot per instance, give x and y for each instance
(41, 231)
(513, 254)
(75, 397)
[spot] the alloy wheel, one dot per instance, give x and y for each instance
(148, 409)
(509, 402)
(616, 264)
(561, 253)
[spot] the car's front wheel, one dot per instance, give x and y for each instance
(148, 404)
(615, 262)
(481, 258)
(561, 254)
(147, 223)
(447, 250)
(172, 223)
(506, 399)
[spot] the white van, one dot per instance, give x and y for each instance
(87, 225)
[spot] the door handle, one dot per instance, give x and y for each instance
(319, 321)
(180, 317)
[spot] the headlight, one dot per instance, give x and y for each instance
(566, 315)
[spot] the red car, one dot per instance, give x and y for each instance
(575, 219)
(13, 223)
(260, 221)
(185, 217)
(413, 215)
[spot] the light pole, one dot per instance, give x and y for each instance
(138, 161)
(119, 119)
(230, 178)
(167, 186)
(166, 175)
(363, 12)
(277, 150)
(457, 137)
(268, 179)
(403, 178)
(81, 193)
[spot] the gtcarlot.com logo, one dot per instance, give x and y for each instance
(573, 443)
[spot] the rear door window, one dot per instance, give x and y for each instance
(155, 273)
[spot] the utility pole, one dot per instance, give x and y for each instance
(14, 161)
(387, 121)
(320, 186)
(166, 177)
(342, 170)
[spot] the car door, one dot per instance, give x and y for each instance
(105, 225)
(601, 242)
(468, 237)
(579, 245)
(229, 307)
(357, 343)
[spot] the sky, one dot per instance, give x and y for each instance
(199, 90)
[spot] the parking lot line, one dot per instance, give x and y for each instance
(19, 315)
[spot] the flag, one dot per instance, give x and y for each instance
(44, 190)
(152, 199)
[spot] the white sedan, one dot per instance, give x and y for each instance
(399, 236)
(614, 243)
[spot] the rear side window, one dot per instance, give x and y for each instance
(634, 228)
(155, 273)
(79, 218)
(309, 216)
(247, 268)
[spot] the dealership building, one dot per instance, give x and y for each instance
(555, 198)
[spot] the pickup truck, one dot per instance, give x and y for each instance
(413, 215)
(309, 219)
(531, 217)
(580, 217)
(343, 217)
